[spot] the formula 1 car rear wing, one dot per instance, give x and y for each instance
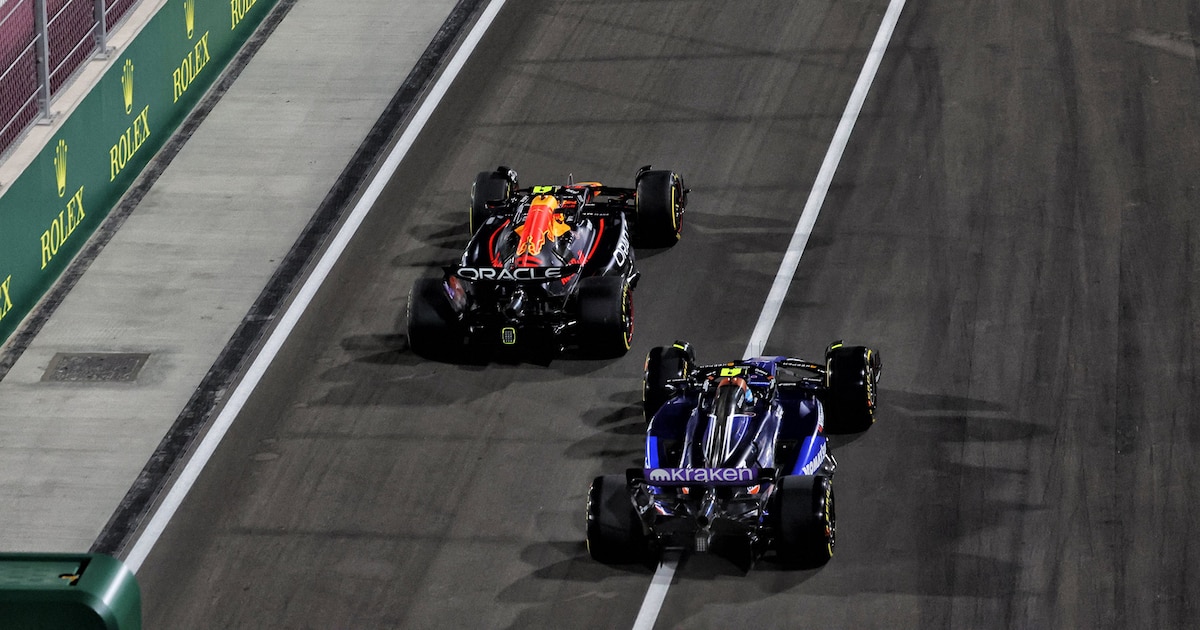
(514, 274)
(664, 477)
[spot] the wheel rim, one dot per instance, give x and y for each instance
(830, 520)
(871, 394)
(674, 210)
(587, 538)
(627, 315)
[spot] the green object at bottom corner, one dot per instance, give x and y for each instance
(64, 590)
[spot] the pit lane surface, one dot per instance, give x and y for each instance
(1010, 227)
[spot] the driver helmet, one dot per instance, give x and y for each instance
(732, 395)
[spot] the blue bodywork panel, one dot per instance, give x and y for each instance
(776, 426)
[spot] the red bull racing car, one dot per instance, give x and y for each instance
(547, 266)
(736, 457)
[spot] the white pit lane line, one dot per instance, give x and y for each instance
(657, 592)
(187, 478)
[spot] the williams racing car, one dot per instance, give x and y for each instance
(736, 457)
(547, 266)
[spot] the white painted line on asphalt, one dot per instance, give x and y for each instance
(816, 196)
(657, 592)
(187, 478)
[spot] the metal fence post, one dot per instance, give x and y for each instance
(101, 29)
(43, 57)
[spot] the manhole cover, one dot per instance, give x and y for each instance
(95, 367)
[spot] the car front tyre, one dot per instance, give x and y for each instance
(490, 186)
(660, 202)
(663, 364)
(852, 383)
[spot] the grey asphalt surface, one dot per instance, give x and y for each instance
(1011, 226)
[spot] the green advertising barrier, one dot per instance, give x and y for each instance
(65, 590)
(51, 209)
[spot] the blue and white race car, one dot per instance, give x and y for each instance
(736, 457)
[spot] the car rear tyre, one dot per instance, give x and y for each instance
(431, 328)
(605, 316)
(852, 376)
(614, 531)
(806, 521)
(490, 186)
(664, 364)
(660, 203)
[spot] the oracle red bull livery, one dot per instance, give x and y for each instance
(547, 266)
(736, 457)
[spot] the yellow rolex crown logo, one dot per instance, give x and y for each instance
(60, 166)
(127, 85)
(189, 16)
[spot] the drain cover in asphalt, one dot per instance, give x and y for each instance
(95, 367)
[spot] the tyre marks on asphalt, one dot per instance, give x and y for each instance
(657, 593)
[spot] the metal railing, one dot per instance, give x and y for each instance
(43, 43)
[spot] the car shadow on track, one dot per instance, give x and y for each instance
(620, 438)
(380, 370)
(582, 588)
(439, 242)
(569, 589)
(965, 463)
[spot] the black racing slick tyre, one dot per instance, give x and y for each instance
(806, 524)
(605, 316)
(432, 332)
(614, 530)
(664, 364)
(661, 198)
(491, 186)
(851, 380)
